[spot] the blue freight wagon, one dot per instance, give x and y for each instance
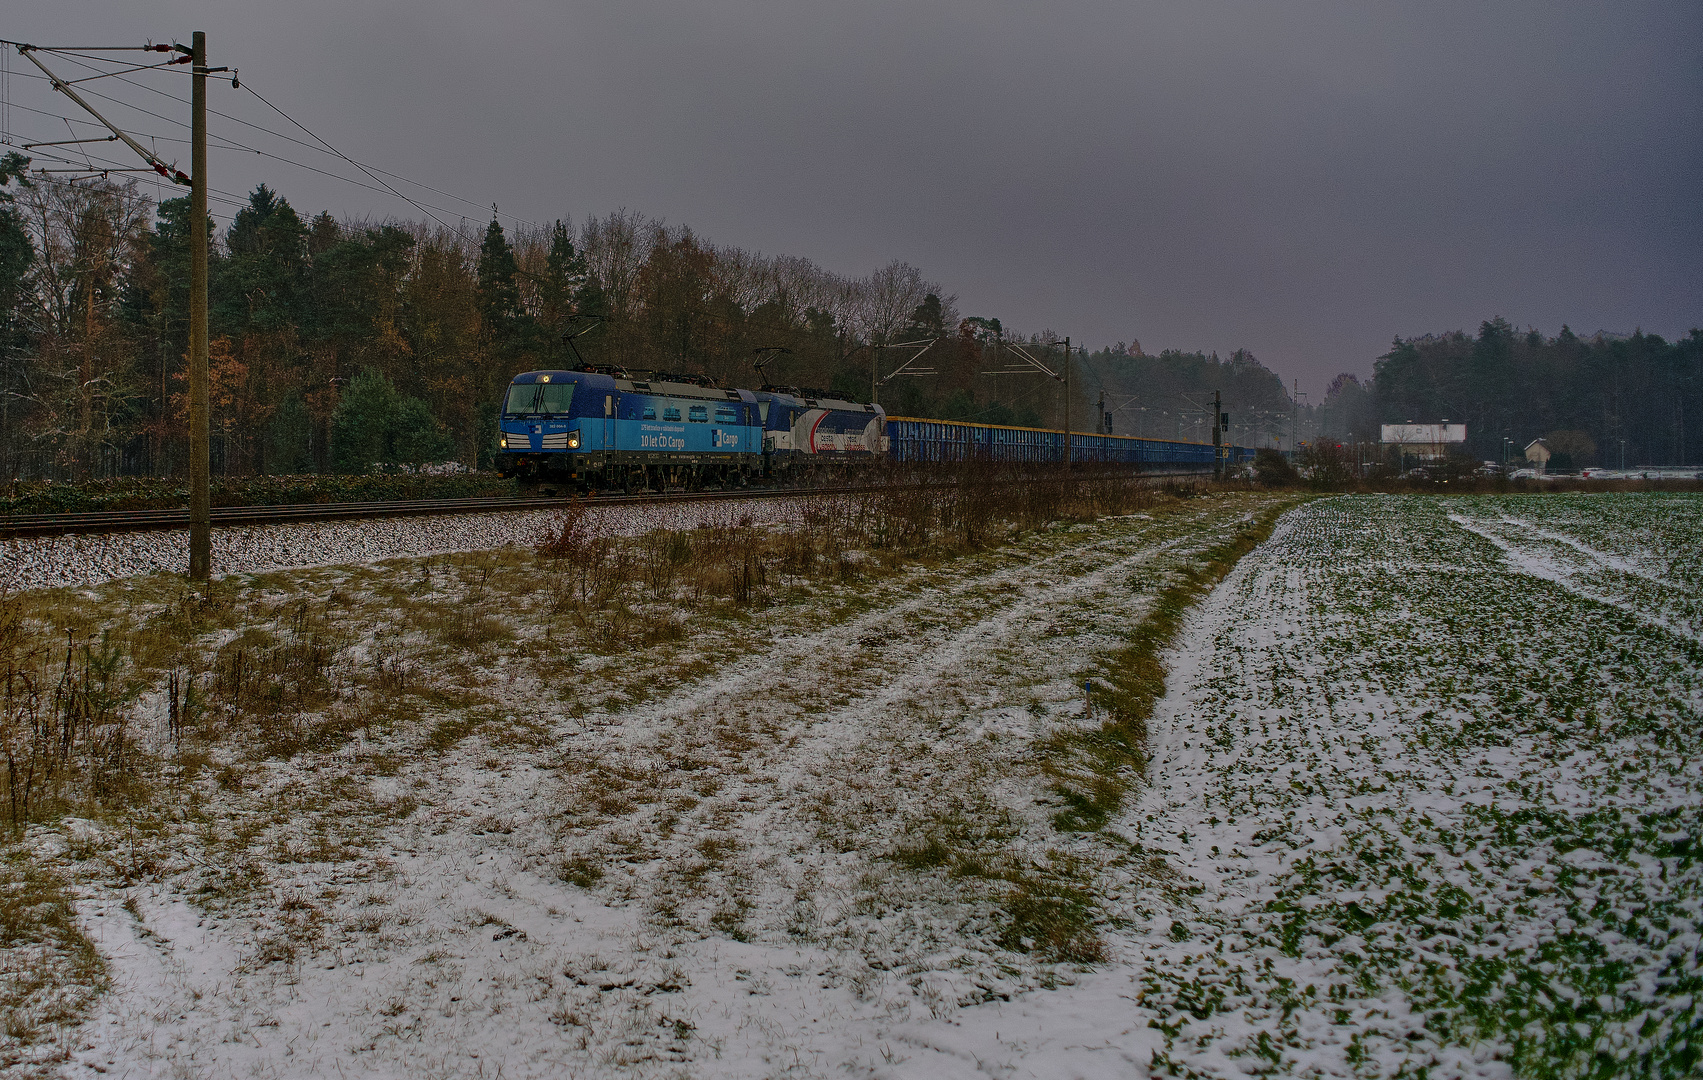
(915, 440)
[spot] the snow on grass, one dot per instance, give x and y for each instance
(1443, 816)
(1411, 810)
(1638, 552)
(455, 826)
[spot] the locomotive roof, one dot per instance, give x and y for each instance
(682, 390)
(590, 378)
(807, 399)
(636, 386)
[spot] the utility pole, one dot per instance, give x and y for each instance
(875, 375)
(1218, 434)
(1067, 403)
(1295, 420)
(200, 522)
(200, 527)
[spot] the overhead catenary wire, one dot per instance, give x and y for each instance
(62, 87)
(224, 197)
(326, 148)
(116, 74)
(345, 157)
(111, 165)
(97, 164)
(376, 175)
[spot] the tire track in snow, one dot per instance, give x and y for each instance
(436, 989)
(1541, 566)
(810, 755)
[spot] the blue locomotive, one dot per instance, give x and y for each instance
(611, 429)
(616, 430)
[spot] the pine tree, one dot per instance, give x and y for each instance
(499, 293)
(362, 421)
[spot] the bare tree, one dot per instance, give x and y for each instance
(889, 296)
(616, 248)
(87, 236)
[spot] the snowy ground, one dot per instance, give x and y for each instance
(1434, 766)
(1424, 799)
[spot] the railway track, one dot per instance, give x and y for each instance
(107, 521)
(143, 520)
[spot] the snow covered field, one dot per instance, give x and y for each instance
(1435, 764)
(1424, 799)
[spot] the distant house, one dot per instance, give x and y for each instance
(1423, 442)
(1537, 453)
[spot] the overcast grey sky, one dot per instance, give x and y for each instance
(1301, 179)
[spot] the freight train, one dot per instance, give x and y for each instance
(610, 429)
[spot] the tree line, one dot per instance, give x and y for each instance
(1594, 400)
(337, 346)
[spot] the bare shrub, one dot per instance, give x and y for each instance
(69, 743)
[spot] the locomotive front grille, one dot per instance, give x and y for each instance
(557, 441)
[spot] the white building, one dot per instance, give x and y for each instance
(1427, 442)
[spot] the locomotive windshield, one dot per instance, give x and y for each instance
(554, 397)
(521, 397)
(539, 397)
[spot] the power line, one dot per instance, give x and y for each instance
(233, 198)
(97, 48)
(62, 87)
(325, 148)
(116, 74)
(378, 184)
(108, 166)
(345, 157)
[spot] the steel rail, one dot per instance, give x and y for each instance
(107, 521)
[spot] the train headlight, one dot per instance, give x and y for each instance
(503, 442)
(573, 440)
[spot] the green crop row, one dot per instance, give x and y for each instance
(1482, 790)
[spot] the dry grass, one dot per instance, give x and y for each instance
(901, 519)
(159, 711)
(1092, 771)
(50, 970)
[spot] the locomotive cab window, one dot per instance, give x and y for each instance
(763, 410)
(521, 396)
(555, 397)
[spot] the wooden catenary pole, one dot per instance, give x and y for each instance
(200, 524)
(1066, 370)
